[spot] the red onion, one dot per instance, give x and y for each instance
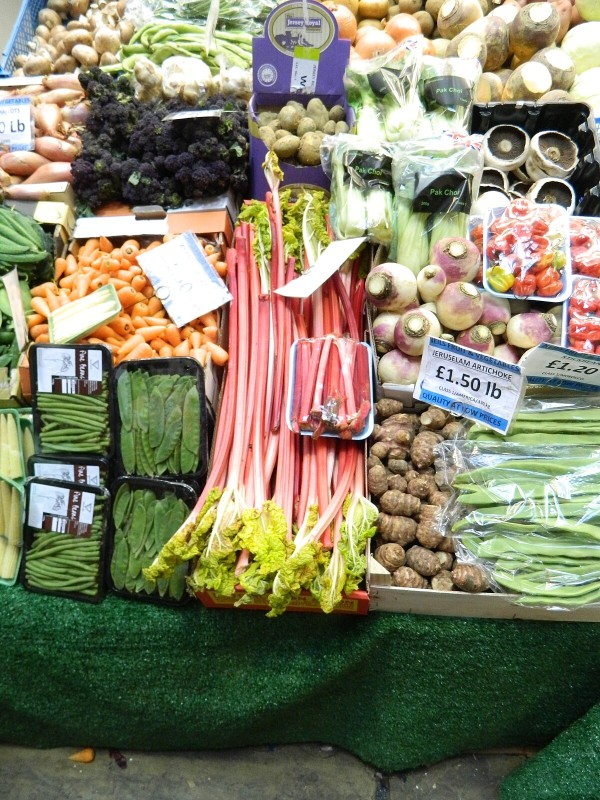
(412, 330)
(383, 331)
(458, 257)
(431, 281)
(391, 287)
(395, 367)
(459, 306)
(496, 313)
(530, 329)
(479, 338)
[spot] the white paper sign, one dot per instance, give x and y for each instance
(305, 67)
(323, 268)
(61, 510)
(82, 473)
(183, 280)
(15, 301)
(16, 128)
(551, 365)
(470, 384)
(63, 369)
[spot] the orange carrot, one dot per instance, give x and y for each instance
(154, 306)
(40, 306)
(131, 245)
(221, 269)
(35, 319)
(139, 309)
(105, 244)
(196, 340)
(52, 300)
(104, 332)
(60, 265)
(36, 330)
(43, 338)
(98, 281)
(199, 353)
(218, 355)
(40, 291)
(155, 320)
(139, 282)
(182, 349)
(88, 247)
(63, 297)
(114, 348)
(172, 335)
(186, 331)
(138, 321)
(151, 332)
(127, 296)
(212, 258)
(208, 319)
(118, 283)
(166, 351)
(82, 283)
(68, 281)
(143, 350)
(130, 345)
(148, 291)
(211, 332)
(121, 326)
(125, 275)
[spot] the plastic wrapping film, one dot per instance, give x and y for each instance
(529, 513)
(240, 15)
(434, 181)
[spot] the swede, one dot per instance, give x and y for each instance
(396, 367)
(391, 287)
(459, 306)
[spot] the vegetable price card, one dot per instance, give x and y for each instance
(183, 280)
(551, 365)
(470, 384)
(16, 123)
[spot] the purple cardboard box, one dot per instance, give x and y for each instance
(296, 59)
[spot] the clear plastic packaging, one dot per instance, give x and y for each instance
(582, 331)
(12, 509)
(585, 246)
(362, 199)
(240, 15)
(434, 182)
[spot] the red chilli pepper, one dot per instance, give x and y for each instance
(524, 286)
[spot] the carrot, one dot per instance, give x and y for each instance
(139, 309)
(131, 245)
(115, 341)
(196, 340)
(43, 338)
(154, 306)
(82, 283)
(114, 348)
(118, 283)
(139, 282)
(63, 297)
(104, 332)
(60, 265)
(186, 331)
(182, 349)
(156, 344)
(211, 332)
(40, 291)
(88, 247)
(209, 249)
(36, 330)
(148, 291)
(121, 326)
(166, 351)
(127, 296)
(172, 335)
(152, 246)
(212, 258)
(35, 319)
(143, 350)
(52, 300)
(85, 756)
(138, 321)
(109, 264)
(155, 320)
(218, 355)
(87, 261)
(105, 244)
(221, 269)
(68, 281)
(135, 270)
(125, 275)
(208, 319)
(151, 332)
(40, 306)
(199, 353)
(98, 281)
(130, 345)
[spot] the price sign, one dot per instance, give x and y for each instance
(305, 67)
(16, 128)
(326, 264)
(183, 280)
(551, 365)
(470, 384)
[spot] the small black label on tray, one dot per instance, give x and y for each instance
(370, 170)
(447, 91)
(450, 191)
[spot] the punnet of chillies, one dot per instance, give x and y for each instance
(585, 246)
(583, 331)
(526, 251)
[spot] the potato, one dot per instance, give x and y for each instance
(266, 117)
(74, 37)
(86, 56)
(279, 134)
(306, 125)
(342, 127)
(337, 113)
(316, 110)
(289, 118)
(426, 22)
(286, 147)
(267, 135)
(329, 127)
(309, 152)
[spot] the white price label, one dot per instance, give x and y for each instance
(61, 510)
(74, 473)
(69, 370)
(183, 280)
(551, 365)
(326, 264)
(305, 67)
(16, 128)
(470, 384)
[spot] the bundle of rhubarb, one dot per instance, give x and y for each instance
(280, 513)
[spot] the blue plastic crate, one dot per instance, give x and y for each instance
(23, 31)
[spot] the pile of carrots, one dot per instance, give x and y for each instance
(142, 329)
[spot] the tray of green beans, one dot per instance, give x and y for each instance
(145, 514)
(65, 539)
(70, 399)
(90, 470)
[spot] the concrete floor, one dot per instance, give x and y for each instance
(295, 772)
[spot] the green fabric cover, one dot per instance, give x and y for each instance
(397, 690)
(568, 769)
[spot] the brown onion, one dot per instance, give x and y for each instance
(50, 172)
(60, 96)
(69, 81)
(57, 149)
(22, 162)
(373, 43)
(47, 118)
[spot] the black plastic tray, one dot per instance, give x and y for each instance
(165, 366)
(573, 119)
(160, 488)
(78, 463)
(107, 368)
(28, 533)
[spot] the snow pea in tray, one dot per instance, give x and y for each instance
(65, 539)
(70, 399)
(145, 514)
(160, 416)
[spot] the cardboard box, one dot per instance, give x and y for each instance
(385, 597)
(296, 59)
(354, 603)
(56, 217)
(207, 218)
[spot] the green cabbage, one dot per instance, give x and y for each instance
(582, 43)
(586, 88)
(589, 9)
